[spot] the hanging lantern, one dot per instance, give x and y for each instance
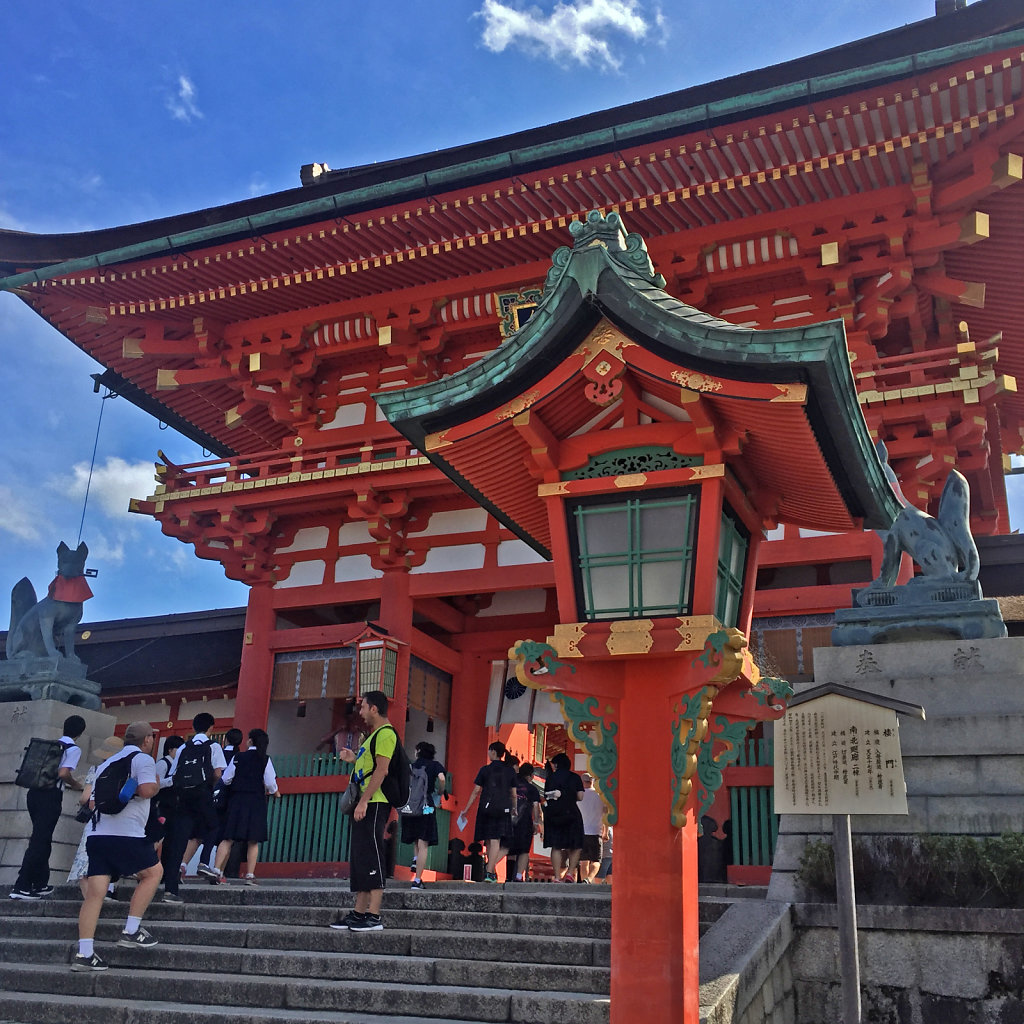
(376, 662)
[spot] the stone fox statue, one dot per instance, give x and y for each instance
(36, 624)
(943, 547)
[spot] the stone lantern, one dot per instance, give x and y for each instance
(645, 447)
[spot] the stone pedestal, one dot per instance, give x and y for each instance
(964, 765)
(923, 609)
(32, 678)
(19, 722)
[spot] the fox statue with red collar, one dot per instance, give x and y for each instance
(36, 625)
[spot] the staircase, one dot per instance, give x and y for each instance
(454, 952)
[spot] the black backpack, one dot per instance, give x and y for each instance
(40, 767)
(195, 765)
(496, 798)
(395, 786)
(106, 791)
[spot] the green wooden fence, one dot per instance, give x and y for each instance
(307, 827)
(755, 825)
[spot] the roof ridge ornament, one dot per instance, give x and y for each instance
(627, 248)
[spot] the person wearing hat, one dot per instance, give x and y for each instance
(80, 865)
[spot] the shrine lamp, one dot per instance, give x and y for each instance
(649, 553)
(376, 662)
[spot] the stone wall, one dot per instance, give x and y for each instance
(19, 722)
(778, 963)
(745, 966)
(964, 765)
(919, 965)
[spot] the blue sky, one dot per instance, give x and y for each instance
(117, 112)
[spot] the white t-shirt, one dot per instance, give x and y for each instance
(592, 809)
(131, 822)
(70, 758)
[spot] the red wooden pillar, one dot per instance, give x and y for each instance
(396, 618)
(655, 929)
(467, 735)
(256, 672)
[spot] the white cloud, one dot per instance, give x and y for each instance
(182, 104)
(105, 549)
(573, 31)
(20, 518)
(114, 483)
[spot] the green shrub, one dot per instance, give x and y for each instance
(817, 871)
(937, 870)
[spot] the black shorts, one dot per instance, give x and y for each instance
(367, 863)
(119, 855)
(419, 826)
(592, 848)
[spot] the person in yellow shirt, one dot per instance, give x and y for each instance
(370, 817)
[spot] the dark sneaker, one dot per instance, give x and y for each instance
(140, 940)
(370, 923)
(24, 894)
(417, 883)
(88, 963)
(207, 872)
(172, 897)
(349, 921)
(46, 890)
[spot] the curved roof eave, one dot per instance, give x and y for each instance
(888, 56)
(592, 281)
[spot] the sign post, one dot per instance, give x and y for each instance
(837, 752)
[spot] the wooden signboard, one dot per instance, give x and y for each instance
(839, 755)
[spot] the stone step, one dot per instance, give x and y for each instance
(339, 966)
(417, 914)
(42, 1008)
(438, 943)
(162, 989)
(454, 952)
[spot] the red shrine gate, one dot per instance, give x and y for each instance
(878, 183)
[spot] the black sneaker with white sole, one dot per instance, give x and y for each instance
(349, 921)
(137, 940)
(88, 963)
(370, 923)
(46, 890)
(24, 894)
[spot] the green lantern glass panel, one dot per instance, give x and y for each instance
(634, 556)
(733, 544)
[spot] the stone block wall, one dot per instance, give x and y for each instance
(964, 764)
(919, 965)
(19, 722)
(745, 966)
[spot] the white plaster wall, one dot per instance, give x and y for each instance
(313, 538)
(459, 521)
(304, 574)
(454, 558)
(351, 568)
(517, 552)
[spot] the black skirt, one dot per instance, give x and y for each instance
(246, 819)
